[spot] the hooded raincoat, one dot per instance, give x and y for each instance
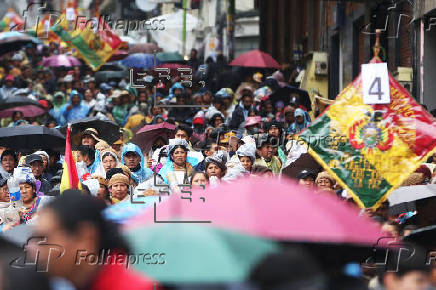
(77, 112)
(142, 173)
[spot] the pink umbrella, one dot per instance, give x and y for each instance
(29, 111)
(270, 208)
(145, 136)
(255, 58)
(60, 60)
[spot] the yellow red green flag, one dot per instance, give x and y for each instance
(371, 149)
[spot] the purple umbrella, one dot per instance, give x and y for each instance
(60, 60)
(146, 136)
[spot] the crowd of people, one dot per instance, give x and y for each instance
(227, 133)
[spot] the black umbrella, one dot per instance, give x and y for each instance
(32, 137)
(425, 237)
(14, 40)
(108, 130)
(305, 161)
(288, 94)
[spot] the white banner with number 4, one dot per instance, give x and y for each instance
(375, 84)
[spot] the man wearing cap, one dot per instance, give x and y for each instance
(119, 188)
(132, 157)
(75, 110)
(306, 177)
(35, 162)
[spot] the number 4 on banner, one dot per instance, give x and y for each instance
(375, 84)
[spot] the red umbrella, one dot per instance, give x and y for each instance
(173, 69)
(60, 60)
(255, 58)
(270, 208)
(145, 137)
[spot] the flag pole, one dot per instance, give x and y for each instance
(184, 30)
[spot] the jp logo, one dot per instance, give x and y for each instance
(38, 253)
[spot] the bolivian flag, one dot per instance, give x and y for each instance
(94, 46)
(70, 178)
(371, 149)
(11, 20)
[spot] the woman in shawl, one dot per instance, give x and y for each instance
(58, 103)
(301, 122)
(216, 164)
(179, 166)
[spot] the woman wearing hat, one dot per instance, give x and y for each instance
(247, 156)
(90, 137)
(119, 188)
(216, 164)
(325, 182)
(29, 188)
(179, 166)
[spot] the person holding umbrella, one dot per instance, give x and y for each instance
(75, 110)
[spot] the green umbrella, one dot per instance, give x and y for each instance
(194, 253)
(170, 57)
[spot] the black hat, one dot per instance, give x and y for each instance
(32, 158)
(305, 173)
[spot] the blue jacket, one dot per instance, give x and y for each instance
(77, 112)
(142, 173)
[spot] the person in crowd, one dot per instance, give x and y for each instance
(199, 179)
(56, 111)
(86, 161)
(36, 163)
(119, 188)
(75, 223)
(247, 156)
(266, 157)
(75, 109)
(45, 159)
(29, 189)
(301, 122)
(216, 164)
(325, 182)
(240, 114)
(109, 160)
(103, 191)
(179, 165)
(132, 157)
(89, 99)
(9, 161)
(16, 116)
(306, 177)
(90, 137)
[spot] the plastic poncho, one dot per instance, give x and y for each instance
(171, 96)
(143, 172)
(100, 169)
(56, 111)
(77, 112)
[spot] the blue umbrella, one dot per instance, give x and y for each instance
(140, 60)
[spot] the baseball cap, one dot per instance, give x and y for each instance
(305, 173)
(32, 158)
